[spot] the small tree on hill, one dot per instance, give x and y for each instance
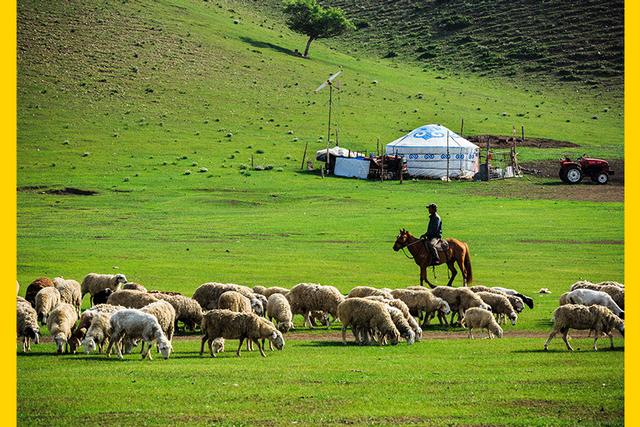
(311, 19)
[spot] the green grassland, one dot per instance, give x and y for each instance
(123, 97)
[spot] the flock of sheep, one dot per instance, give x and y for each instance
(125, 314)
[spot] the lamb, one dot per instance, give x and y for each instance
(513, 292)
(208, 295)
(400, 305)
(94, 283)
(364, 315)
(500, 306)
(365, 291)
(476, 317)
(79, 333)
(596, 318)
(46, 300)
(459, 299)
(422, 302)
(131, 299)
(102, 296)
(590, 297)
(243, 326)
(278, 308)
(616, 292)
(136, 324)
(134, 286)
(27, 323)
(188, 311)
(70, 292)
(306, 297)
(61, 321)
(234, 301)
(35, 287)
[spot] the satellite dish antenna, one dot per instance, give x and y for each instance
(329, 82)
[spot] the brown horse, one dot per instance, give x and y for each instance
(458, 251)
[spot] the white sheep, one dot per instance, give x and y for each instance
(60, 323)
(590, 297)
(209, 293)
(364, 315)
(422, 303)
(165, 314)
(46, 300)
(94, 283)
(594, 318)
(404, 309)
(307, 297)
(135, 324)
(228, 324)
(27, 324)
(616, 292)
(500, 306)
(70, 292)
(479, 318)
(459, 300)
(92, 333)
(278, 309)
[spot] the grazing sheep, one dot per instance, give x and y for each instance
(479, 318)
(400, 305)
(46, 300)
(208, 295)
(527, 300)
(70, 292)
(102, 296)
(278, 308)
(136, 324)
(188, 311)
(98, 332)
(134, 286)
(131, 299)
(319, 317)
(500, 306)
(306, 297)
(60, 323)
(611, 283)
(459, 299)
(594, 318)
(365, 291)
(166, 315)
(274, 290)
(234, 301)
(401, 324)
(364, 315)
(80, 331)
(422, 302)
(94, 283)
(27, 324)
(263, 302)
(616, 292)
(243, 326)
(590, 297)
(35, 287)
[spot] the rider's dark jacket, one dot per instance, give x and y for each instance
(434, 229)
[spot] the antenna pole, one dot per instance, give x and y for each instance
(329, 124)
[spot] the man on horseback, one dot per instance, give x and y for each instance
(433, 234)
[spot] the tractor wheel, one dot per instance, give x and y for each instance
(574, 175)
(602, 178)
(563, 175)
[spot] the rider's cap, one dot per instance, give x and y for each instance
(432, 205)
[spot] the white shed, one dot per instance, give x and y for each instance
(432, 149)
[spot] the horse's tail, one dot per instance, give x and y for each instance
(467, 264)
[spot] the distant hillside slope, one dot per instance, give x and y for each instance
(580, 40)
(543, 40)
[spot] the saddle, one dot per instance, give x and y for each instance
(442, 245)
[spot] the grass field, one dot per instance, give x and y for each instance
(122, 98)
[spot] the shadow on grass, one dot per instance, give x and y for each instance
(565, 350)
(266, 45)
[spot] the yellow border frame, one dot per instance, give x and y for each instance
(8, 35)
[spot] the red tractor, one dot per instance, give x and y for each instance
(572, 172)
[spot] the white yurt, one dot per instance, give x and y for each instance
(432, 149)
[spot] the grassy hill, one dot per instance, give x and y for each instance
(551, 41)
(160, 108)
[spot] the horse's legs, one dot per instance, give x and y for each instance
(423, 271)
(460, 261)
(454, 272)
